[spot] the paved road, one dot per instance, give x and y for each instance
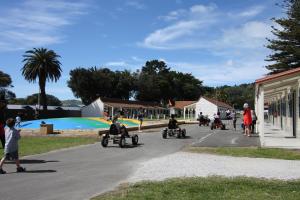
(82, 172)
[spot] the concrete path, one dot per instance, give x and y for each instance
(184, 164)
(80, 173)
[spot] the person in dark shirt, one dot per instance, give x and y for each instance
(173, 122)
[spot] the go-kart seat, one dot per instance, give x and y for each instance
(113, 130)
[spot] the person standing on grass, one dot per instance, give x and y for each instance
(12, 136)
(247, 119)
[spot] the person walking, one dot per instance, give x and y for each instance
(2, 135)
(254, 118)
(11, 150)
(233, 117)
(247, 119)
(140, 118)
(18, 120)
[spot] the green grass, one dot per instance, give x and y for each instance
(207, 188)
(254, 152)
(36, 145)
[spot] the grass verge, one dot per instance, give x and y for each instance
(37, 145)
(253, 152)
(207, 188)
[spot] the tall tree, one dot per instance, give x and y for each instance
(5, 82)
(89, 84)
(286, 45)
(41, 64)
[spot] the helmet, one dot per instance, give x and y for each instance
(246, 105)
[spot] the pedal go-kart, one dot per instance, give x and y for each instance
(118, 137)
(204, 121)
(179, 133)
(217, 124)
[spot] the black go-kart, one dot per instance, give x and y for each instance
(217, 123)
(204, 121)
(177, 132)
(118, 136)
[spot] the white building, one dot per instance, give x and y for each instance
(130, 108)
(280, 94)
(207, 106)
(177, 108)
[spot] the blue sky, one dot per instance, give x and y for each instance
(220, 42)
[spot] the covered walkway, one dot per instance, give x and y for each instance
(277, 108)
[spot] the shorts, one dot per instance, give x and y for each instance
(12, 155)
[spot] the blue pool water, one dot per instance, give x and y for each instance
(69, 123)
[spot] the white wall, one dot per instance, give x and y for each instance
(95, 109)
(206, 107)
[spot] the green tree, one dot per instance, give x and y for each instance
(5, 82)
(41, 64)
(51, 100)
(286, 45)
(89, 84)
(157, 82)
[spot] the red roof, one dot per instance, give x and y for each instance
(218, 103)
(275, 76)
(129, 104)
(182, 104)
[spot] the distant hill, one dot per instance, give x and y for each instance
(72, 103)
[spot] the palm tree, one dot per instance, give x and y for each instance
(41, 64)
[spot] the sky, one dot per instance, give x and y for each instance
(218, 41)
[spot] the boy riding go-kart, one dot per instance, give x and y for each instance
(217, 123)
(203, 120)
(118, 134)
(173, 129)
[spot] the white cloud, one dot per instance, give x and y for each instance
(206, 27)
(253, 11)
(173, 15)
(116, 64)
(37, 22)
(199, 17)
(202, 9)
(230, 72)
(252, 34)
(135, 4)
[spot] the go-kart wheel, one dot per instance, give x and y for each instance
(122, 142)
(183, 133)
(104, 141)
(223, 127)
(135, 139)
(164, 134)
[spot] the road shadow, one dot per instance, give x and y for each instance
(40, 171)
(182, 138)
(127, 146)
(31, 161)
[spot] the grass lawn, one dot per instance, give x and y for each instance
(36, 145)
(207, 188)
(254, 152)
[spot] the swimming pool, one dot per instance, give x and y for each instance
(76, 123)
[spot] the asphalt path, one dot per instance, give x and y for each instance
(85, 171)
